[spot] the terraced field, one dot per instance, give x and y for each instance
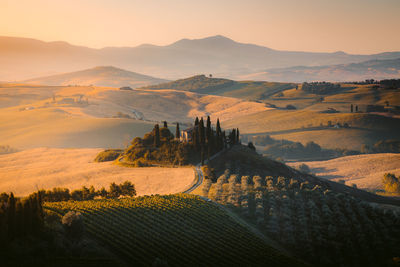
(146, 228)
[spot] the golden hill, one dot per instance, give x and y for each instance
(88, 116)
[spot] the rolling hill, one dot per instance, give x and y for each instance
(365, 171)
(99, 76)
(372, 69)
(143, 230)
(251, 90)
(24, 58)
(319, 221)
(89, 116)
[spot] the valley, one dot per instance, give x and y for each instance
(199, 151)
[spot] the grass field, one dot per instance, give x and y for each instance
(365, 171)
(85, 116)
(306, 125)
(249, 90)
(144, 229)
(26, 171)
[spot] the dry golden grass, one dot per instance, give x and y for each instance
(26, 171)
(29, 116)
(366, 171)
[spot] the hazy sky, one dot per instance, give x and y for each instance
(354, 26)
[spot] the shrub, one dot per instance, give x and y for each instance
(7, 149)
(251, 146)
(304, 168)
(127, 189)
(391, 183)
(108, 155)
(73, 224)
(291, 107)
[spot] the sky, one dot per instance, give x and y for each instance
(352, 26)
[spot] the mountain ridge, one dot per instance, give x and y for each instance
(24, 58)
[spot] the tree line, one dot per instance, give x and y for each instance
(88, 193)
(320, 87)
(20, 217)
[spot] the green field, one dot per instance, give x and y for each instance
(182, 230)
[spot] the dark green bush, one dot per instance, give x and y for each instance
(108, 155)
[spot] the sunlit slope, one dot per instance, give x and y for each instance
(26, 171)
(365, 171)
(98, 76)
(181, 230)
(341, 99)
(308, 125)
(249, 90)
(86, 116)
(55, 128)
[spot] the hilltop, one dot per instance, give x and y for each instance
(251, 90)
(23, 58)
(99, 76)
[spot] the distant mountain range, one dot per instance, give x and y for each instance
(372, 69)
(23, 58)
(99, 76)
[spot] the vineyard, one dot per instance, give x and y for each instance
(318, 225)
(181, 230)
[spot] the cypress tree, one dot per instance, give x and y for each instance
(27, 216)
(224, 139)
(165, 124)
(237, 136)
(208, 129)
(351, 108)
(11, 216)
(196, 121)
(218, 128)
(232, 137)
(196, 137)
(19, 219)
(177, 132)
(202, 132)
(156, 135)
